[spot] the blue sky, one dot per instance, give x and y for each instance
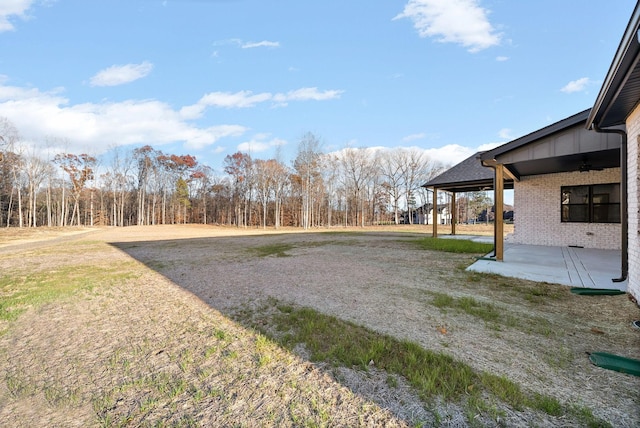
(211, 77)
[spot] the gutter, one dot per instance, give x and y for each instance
(624, 209)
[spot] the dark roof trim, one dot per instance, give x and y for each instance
(469, 170)
(626, 57)
(569, 122)
(467, 176)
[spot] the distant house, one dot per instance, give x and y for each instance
(618, 106)
(424, 215)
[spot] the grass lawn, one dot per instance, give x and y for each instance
(193, 327)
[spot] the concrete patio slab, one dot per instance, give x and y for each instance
(575, 267)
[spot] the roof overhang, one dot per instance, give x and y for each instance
(620, 91)
(470, 175)
(469, 186)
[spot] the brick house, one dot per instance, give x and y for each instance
(576, 182)
(566, 182)
(618, 105)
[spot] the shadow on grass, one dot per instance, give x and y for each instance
(236, 276)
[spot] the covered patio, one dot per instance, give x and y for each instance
(575, 267)
(546, 246)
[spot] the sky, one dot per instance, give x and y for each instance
(212, 77)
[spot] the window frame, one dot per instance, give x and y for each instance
(590, 210)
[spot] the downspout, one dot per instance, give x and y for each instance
(624, 210)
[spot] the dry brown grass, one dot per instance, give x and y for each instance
(152, 339)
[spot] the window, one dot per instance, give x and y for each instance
(597, 203)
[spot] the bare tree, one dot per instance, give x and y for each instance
(358, 167)
(145, 157)
(417, 170)
(264, 186)
(238, 166)
(13, 160)
(36, 170)
(280, 175)
(200, 185)
(330, 172)
(122, 165)
(80, 170)
(307, 165)
(391, 164)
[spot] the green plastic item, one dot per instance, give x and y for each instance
(616, 363)
(596, 291)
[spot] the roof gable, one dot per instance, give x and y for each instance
(560, 126)
(560, 147)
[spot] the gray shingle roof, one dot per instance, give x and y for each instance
(467, 176)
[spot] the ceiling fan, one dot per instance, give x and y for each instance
(585, 166)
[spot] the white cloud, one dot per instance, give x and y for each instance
(242, 99)
(306, 94)
(505, 134)
(489, 146)
(121, 74)
(414, 137)
(502, 58)
(452, 21)
(446, 156)
(450, 154)
(225, 42)
(262, 44)
(96, 127)
(576, 85)
(9, 8)
(247, 99)
(247, 45)
(260, 143)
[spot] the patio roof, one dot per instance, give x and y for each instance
(467, 176)
(563, 146)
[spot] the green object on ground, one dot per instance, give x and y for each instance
(596, 291)
(616, 363)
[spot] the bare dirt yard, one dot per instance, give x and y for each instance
(174, 326)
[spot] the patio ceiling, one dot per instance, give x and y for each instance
(583, 162)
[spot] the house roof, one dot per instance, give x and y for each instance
(467, 176)
(560, 147)
(578, 118)
(563, 146)
(620, 91)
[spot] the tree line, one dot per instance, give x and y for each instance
(145, 186)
